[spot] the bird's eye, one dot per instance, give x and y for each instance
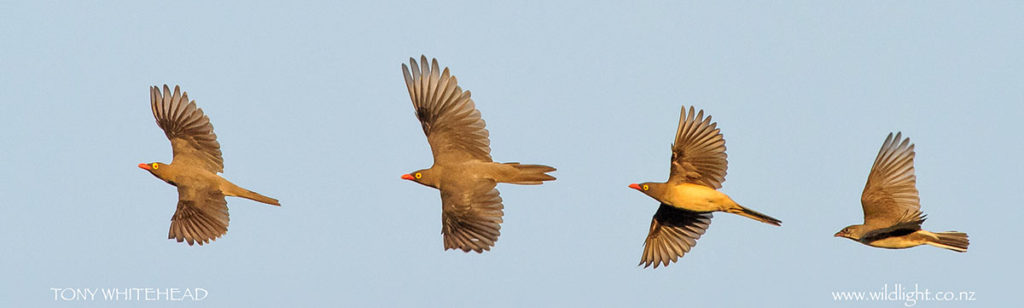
(418, 175)
(646, 187)
(155, 166)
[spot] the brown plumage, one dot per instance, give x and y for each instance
(463, 171)
(691, 193)
(892, 208)
(202, 214)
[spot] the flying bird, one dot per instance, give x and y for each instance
(892, 208)
(202, 214)
(691, 193)
(463, 171)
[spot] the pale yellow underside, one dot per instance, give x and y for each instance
(698, 198)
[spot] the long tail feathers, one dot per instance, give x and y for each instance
(952, 240)
(755, 215)
(528, 174)
(251, 195)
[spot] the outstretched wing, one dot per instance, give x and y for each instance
(698, 153)
(471, 216)
(449, 118)
(674, 232)
(891, 192)
(189, 130)
(202, 215)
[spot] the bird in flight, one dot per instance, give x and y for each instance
(202, 214)
(691, 193)
(463, 171)
(892, 208)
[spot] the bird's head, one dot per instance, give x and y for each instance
(157, 169)
(853, 232)
(649, 188)
(422, 176)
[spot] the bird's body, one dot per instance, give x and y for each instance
(690, 195)
(903, 240)
(451, 174)
(697, 198)
(956, 241)
(199, 177)
(463, 171)
(892, 209)
(202, 213)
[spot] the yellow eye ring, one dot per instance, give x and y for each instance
(418, 175)
(646, 187)
(156, 166)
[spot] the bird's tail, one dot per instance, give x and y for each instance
(252, 195)
(952, 240)
(526, 174)
(230, 189)
(755, 215)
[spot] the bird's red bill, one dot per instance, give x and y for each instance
(145, 166)
(408, 177)
(635, 186)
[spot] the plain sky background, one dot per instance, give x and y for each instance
(309, 105)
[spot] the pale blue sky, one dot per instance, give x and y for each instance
(309, 105)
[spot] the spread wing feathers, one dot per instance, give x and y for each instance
(891, 190)
(449, 118)
(698, 153)
(189, 130)
(674, 232)
(471, 217)
(202, 216)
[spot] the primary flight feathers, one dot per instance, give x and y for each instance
(698, 151)
(471, 209)
(202, 213)
(690, 195)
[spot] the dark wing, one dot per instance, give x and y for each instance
(471, 216)
(202, 215)
(453, 126)
(674, 232)
(909, 223)
(698, 153)
(189, 130)
(891, 193)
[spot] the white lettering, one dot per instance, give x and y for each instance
(64, 294)
(131, 294)
(166, 293)
(199, 298)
